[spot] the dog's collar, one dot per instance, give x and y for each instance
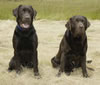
(19, 27)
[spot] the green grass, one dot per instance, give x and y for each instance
(54, 9)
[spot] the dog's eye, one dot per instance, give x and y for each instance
(82, 20)
(24, 10)
(77, 20)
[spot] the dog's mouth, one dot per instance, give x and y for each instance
(25, 25)
(78, 38)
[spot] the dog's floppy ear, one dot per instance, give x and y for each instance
(15, 11)
(68, 24)
(34, 12)
(87, 22)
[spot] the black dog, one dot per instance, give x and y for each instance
(25, 41)
(73, 47)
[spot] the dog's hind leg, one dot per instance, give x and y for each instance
(15, 65)
(62, 65)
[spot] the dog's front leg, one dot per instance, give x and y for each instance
(35, 63)
(83, 65)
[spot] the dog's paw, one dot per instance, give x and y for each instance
(85, 75)
(55, 63)
(37, 75)
(9, 69)
(68, 73)
(19, 70)
(59, 74)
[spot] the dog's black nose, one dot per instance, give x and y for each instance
(81, 26)
(27, 17)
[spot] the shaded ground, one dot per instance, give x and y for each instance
(49, 34)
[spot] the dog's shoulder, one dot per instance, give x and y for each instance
(64, 42)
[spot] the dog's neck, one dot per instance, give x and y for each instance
(22, 29)
(19, 31)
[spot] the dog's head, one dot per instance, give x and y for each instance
(24, 16)
(77, 25)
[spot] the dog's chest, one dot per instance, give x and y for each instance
(25, 44)
(77, 48)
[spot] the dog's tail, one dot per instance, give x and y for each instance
(90, 68)
(89, 61)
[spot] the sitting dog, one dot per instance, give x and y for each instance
(25, 41)
(73, 47)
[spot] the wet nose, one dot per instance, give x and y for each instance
(81, 26)
(27, 17)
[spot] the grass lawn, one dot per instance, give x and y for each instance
(54, 9)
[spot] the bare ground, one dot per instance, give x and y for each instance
(49, 35)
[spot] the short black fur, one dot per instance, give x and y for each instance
(73, 47)
(25, 43)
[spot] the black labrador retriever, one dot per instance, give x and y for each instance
(73, 47)
(25, 41)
